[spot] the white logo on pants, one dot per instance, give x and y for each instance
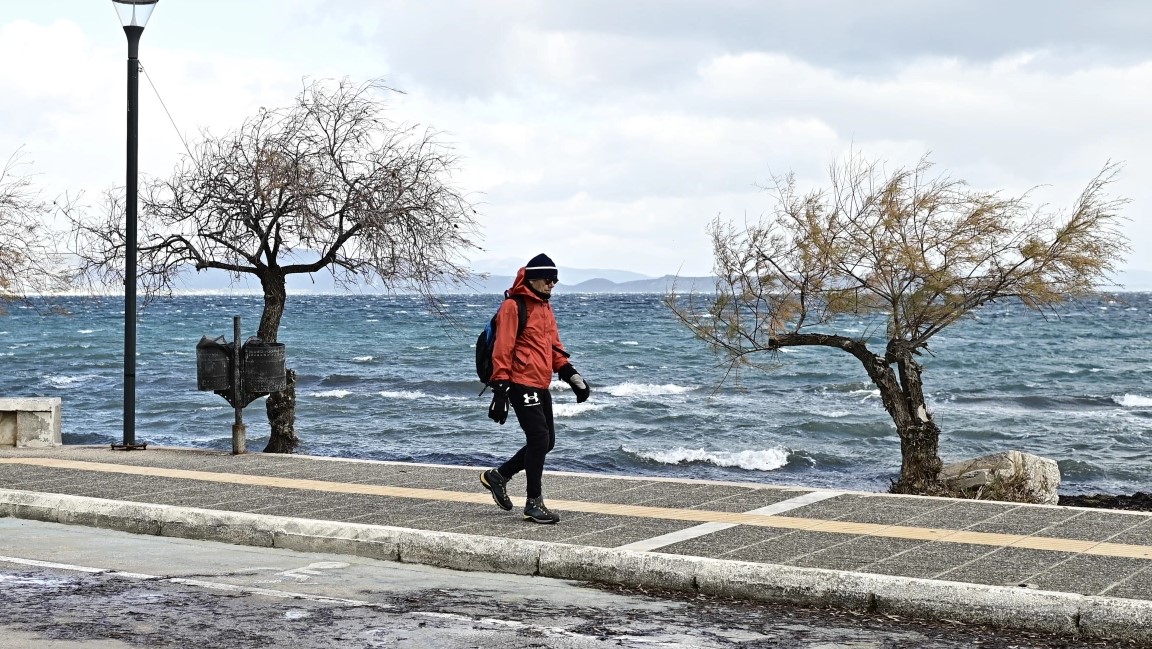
(531, 399)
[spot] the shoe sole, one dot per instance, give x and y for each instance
(542, 521)
(495, 497)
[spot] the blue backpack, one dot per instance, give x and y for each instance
(487, 339)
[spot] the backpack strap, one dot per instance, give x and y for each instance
(521, 314)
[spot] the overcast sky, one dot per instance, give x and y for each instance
(609, 133)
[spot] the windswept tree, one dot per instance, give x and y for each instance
(327, 183)
(29, 262)
(915, 250)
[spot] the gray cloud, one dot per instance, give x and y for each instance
(847, 34)
(471, 48)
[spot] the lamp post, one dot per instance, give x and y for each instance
(133, 16)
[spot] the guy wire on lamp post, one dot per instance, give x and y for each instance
(133, 16)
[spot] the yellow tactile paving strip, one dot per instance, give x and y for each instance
(692, 515)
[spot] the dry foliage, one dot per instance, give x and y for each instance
(910, 249)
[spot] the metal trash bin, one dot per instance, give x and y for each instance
(262, 367)
(213, 364)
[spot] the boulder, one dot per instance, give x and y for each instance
(1011, 476)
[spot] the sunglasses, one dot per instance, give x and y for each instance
(549, 282)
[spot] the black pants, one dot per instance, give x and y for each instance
(533, 408)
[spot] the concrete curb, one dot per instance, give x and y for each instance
(1018, 608)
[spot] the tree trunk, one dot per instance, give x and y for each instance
(919, 436)
(903, 398)
(281, 406)
(920, 458)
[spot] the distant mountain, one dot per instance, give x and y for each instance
(572, 280)
(498, 283)
(657, 285)
(579, 275)
(568, 275)
(500, 271)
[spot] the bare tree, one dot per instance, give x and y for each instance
(328, 183)
(29, 262)
(915, 250)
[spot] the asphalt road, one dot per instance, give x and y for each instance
(65, 587)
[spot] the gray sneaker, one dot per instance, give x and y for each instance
(537, 512)
(496, 483)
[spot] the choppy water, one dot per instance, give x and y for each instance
(379, 377)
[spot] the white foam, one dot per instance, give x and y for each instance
(412, 395)
(330, 394)
(400, 394)
(763, 460)
(61, 381)
(574, 409)
(86, 331)
(363, 359)
(629, 342)
(1133, 401)
(645, 389)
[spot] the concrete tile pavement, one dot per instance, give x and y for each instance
(1069, 570)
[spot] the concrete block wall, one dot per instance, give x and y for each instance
(30, 422)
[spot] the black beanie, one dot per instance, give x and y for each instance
(540, 267)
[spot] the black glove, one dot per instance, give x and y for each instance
(498, 409)
(569, 375)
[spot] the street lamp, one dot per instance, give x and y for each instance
(133, 16)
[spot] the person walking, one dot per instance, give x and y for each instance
(522, 368)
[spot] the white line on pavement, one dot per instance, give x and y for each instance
(647, 545)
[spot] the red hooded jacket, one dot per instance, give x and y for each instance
(537, 354)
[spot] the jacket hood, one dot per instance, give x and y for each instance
(520, 286)
(519, 282)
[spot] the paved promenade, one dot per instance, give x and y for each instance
(1073, 571)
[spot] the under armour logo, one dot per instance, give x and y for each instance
(531, 399)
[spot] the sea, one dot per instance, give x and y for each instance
(385, 377)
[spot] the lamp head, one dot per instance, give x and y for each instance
(134, 13)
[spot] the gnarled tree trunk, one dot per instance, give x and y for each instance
(281, 406)
(902, 392)
(919, 436)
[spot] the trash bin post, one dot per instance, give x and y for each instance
(239, 432)
(241, 373)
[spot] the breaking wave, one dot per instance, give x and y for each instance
(763, 460)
